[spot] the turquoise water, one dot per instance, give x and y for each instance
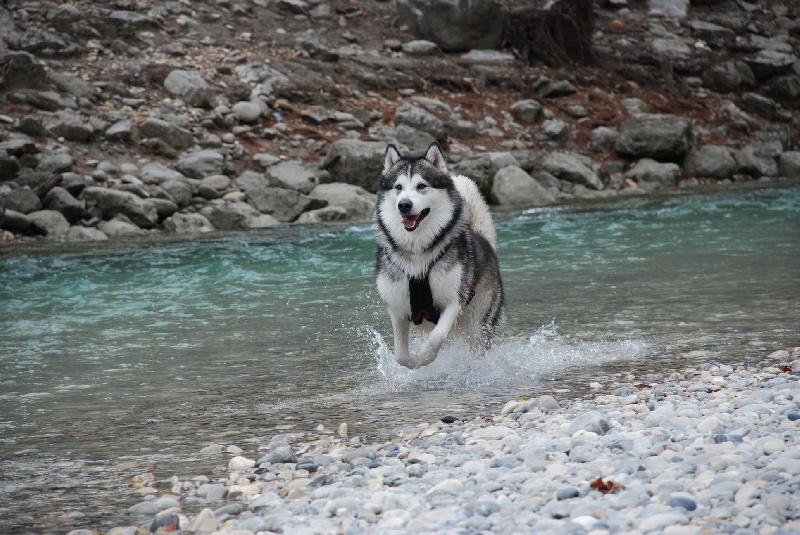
(130, 359)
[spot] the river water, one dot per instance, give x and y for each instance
(128, 359)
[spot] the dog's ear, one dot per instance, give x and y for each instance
(436, 158)
(391, 158)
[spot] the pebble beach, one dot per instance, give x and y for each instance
(709, 449)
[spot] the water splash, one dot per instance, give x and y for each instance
(511, 362)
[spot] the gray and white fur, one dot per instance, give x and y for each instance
(437, 256)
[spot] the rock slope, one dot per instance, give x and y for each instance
(133, 117)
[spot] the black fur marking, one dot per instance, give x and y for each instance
(422, 307)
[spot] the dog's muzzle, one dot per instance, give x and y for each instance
(411, 221)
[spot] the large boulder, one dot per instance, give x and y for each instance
(713, 161)
(358, 203)
(759, 158)
(21, 70)
(729, 76)
(191, 87)
(421, 119)
(292, 174)
(455, 25)
(574, 168)
(187, 223)
(112, 202)
(70, 125)
(225, 215)
(62, 201)
(655, 173)
(202, 163)
(171, 134)
(513, 186)
(120, 226)
(285, 205)
(50, 222)
(78, 234)
(657, 136)
(355, 162)
(789, 164)
(22, 200)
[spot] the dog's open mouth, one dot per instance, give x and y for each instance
(412, 221)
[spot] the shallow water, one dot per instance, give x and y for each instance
(131, 359)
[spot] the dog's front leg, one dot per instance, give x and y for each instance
(400, 326)
(438, 336)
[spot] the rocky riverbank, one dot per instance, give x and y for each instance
(711, 449)
(128, 118)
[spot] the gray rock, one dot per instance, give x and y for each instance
(670, 47)
(768, 63)
(260, 73)
(54, 162)
(729, 76)
(316, 46)
(283, 204)
(592, 421)
(18, 145)
(118, 227)
(78, 234)
(526, 111)
(202, 163)
(602, 138)
(113, 202)
(187, 223)
(513, 186)
(455, 25)
(179, 191)
(69, 125)
(171, 134)
(21, 70)
(714, 161)
(22, 200)
(74, 85)
(191, 87)
(9, 166)
(647, 170)
(49, 222)
(225, 215)
(355, 162)
(421, 47)
(661, 137)
(17, 222)
(358, 203)
(677, 9)
(328, 214)
(281, 454)
(421, 119)
(123, 130)
(292, 174)
(783, 87)
(62, 201)
(156, 173)
(555, 129)
(759, 158)
(789, 164)
(572, 167)
(246, 111)
(164, 207)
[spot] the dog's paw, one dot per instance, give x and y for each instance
(407, 361)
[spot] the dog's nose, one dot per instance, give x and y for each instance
(404, 206)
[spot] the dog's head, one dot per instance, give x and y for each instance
(414, 186)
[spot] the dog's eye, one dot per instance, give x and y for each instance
(398, 187)
(421, 187)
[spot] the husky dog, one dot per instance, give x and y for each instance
(437, 255)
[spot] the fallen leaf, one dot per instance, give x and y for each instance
(606, 486)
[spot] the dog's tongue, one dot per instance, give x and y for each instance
(410, 220)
